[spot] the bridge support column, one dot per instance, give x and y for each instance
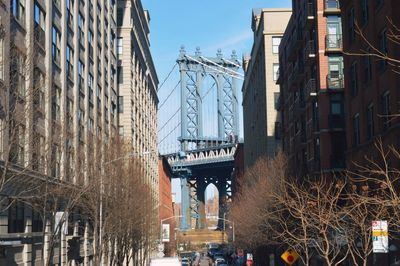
(185, 199)
(201, 221)
(222, 202)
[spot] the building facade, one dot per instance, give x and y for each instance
(261, 119)
(60, 109)
(311, 82)
(372, 96)
(167, 214)
(137, 87)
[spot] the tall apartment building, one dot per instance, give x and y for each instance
(260, 93)
(59, 107)
(372, 97)
(311, 82)
(137, 86)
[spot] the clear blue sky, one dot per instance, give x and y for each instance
(208, 24)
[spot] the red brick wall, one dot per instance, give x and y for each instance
(166, 208)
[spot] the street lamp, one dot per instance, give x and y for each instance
(233, 226)
(130, 155)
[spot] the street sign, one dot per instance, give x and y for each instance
(380, 239)
(290, 256)
(165, 233)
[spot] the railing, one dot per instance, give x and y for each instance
(334, 81)
(310, 49)
(310, 10)
(310, 88)
(333, 42)
(336, 121)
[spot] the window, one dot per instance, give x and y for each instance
(39, 98)
(18, 10)
(2, 58)
(119, 46)
(121, 130)
(56, 158)
(16, 215)
(39, 17)
(37, 222)
(70, 62)
(56, 102)
(275, 44)
(383, 48)
(364, 12)
(353, 78)
(120, 16)
(56, 45)
(81, 69)
(367, 68)
(120, 104)
(276, 100)
(352, 32)
(336, 104)
(370, 121)
(275, 68)
(356, 129)
(81, 23)
(120, 77)
(18, 74)
(70, 11)
(386, 110)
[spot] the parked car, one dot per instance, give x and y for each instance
(185, 262)
(220, 261)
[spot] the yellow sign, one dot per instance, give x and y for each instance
(290, 256)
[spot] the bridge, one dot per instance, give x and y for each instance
(208, 128)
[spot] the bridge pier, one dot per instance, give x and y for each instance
(185, 202)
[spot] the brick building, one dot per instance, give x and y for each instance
(312, 84)
(372, 96)
(166, 207)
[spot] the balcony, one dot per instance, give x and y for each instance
(310, 88)
(335, 82)
(299, 106)
(332, 7)
(336, 121)
(310, 14)
(333, 43)
(310, 51)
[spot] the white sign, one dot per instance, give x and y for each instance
(249, 256)
(160, 247)
(165, 233)
(380, 239)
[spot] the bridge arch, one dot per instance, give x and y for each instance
(211, 205)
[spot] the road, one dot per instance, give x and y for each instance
(204, 261)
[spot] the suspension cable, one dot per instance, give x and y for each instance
(230, 62)
(169, 95)
(169, 133)
(169, 119)
(169, 74)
